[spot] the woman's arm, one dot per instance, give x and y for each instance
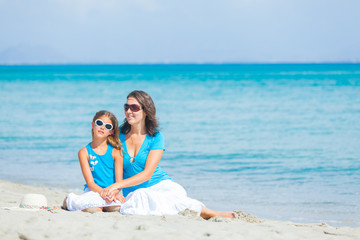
(85, 168)
(152, 162)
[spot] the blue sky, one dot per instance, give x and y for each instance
(165, 31)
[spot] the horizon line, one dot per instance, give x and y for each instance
(173, 63)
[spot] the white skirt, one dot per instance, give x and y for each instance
(86, 200)
(163, 198)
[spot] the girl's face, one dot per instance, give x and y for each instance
(102, 131)
(134, 117)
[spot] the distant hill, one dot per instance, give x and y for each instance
(25, 54)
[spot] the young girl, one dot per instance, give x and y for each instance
(98, 161)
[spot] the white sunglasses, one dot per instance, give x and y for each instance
(100, 123)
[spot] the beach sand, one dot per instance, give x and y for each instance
(61, 224)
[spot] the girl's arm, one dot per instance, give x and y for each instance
(152, 162)
(85, 168)
(118, 162)
(118, 159)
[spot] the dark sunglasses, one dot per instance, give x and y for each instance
(133, 107)
(100, 123)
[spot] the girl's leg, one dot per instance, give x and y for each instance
(208, 213)
(90, 210)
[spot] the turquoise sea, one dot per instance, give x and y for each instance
(280, 141)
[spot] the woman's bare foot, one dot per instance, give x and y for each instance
(226, 214)
(208, 213)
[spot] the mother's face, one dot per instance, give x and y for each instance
(133, 116)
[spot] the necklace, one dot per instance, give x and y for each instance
(134, 144)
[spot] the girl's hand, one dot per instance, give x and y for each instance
(120, 198)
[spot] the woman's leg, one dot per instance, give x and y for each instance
(208, 213)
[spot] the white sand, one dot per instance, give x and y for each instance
(61, 224)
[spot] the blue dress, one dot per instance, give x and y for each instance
(134, 165)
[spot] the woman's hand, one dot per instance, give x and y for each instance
(111, 196)
(109, 199)
(109, 192)
(120, 198)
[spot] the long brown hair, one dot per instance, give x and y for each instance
(112, 139)
(148, 106)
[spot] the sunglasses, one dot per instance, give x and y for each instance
(100, 123)
(133, 107)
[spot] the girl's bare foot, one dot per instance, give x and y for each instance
(93, 209)
(112, 209)
(64, 204)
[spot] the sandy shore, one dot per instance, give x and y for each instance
(61, 224)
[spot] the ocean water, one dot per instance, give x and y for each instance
(280, 141)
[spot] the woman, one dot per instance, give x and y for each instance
(147, 188)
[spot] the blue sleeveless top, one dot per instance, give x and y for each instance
(101, 166)
(138, 165)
